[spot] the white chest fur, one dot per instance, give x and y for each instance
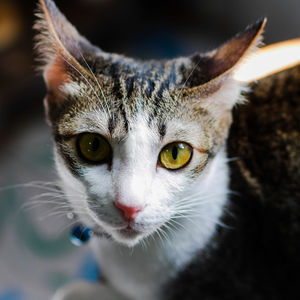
(140, 272)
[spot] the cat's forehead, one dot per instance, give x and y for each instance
(117, 117)
(122, 88)
(126, 78)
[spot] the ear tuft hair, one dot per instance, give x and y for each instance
(59, 46)
(56, 36)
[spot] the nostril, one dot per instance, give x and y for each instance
(128, 212)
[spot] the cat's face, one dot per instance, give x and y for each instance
(134, 140)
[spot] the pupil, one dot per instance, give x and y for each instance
(174, 152)
(94, 145)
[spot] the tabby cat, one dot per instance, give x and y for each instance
(140, 148)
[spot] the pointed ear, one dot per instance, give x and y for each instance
(225, 58)
(215, 68)
(59, 45)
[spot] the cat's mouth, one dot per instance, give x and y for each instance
(129, 232)
(125, 235)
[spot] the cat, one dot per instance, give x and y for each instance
(140, 148)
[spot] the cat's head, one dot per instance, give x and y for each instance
(134, 138)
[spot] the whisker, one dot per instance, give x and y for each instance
(230, 159)
(33, 184)
(202, 216)
(87, 81)
(61, 212)
(196, 201)
(67, 226)
(194, 68)
(192, 204)
(53, 196)
(101, 90)
(165, 235)
(157, 231)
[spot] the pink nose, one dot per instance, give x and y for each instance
(128, 212)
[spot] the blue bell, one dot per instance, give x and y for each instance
(80, 234)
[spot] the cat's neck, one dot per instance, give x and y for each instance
(148, 265)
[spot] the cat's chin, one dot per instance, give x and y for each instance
(128, 237)
(126, 234)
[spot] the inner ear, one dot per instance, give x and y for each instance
(210, 78)
(229, 54)
(212, 68)
(60, 47)
(211, 83)
(55, 75)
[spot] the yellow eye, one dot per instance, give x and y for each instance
(93, 148)
(175, 155)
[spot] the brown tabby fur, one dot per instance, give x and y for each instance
(257, 257)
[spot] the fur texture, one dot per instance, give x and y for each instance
(258, 258)
(139, 107)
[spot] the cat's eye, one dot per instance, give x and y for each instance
(93, 148)
(175, 155)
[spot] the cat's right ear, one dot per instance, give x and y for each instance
(212, 72)
(60, 48)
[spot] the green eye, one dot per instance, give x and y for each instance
(93, 147)
(175, 155)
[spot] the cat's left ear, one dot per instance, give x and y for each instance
(212, 72)
(61, 49)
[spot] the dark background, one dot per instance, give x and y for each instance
(36, 257)
(133, 27)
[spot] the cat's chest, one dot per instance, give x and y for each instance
(138, 273)
(142, 271)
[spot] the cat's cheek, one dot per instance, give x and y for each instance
(65, 174)
(169, 185)
(79, 191)
(74, 191)
(99, 180)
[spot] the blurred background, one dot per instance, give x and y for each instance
(36, 256)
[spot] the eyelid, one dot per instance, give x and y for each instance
(66, 138)
(69, 137)
(176, 142)
(202, 150)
